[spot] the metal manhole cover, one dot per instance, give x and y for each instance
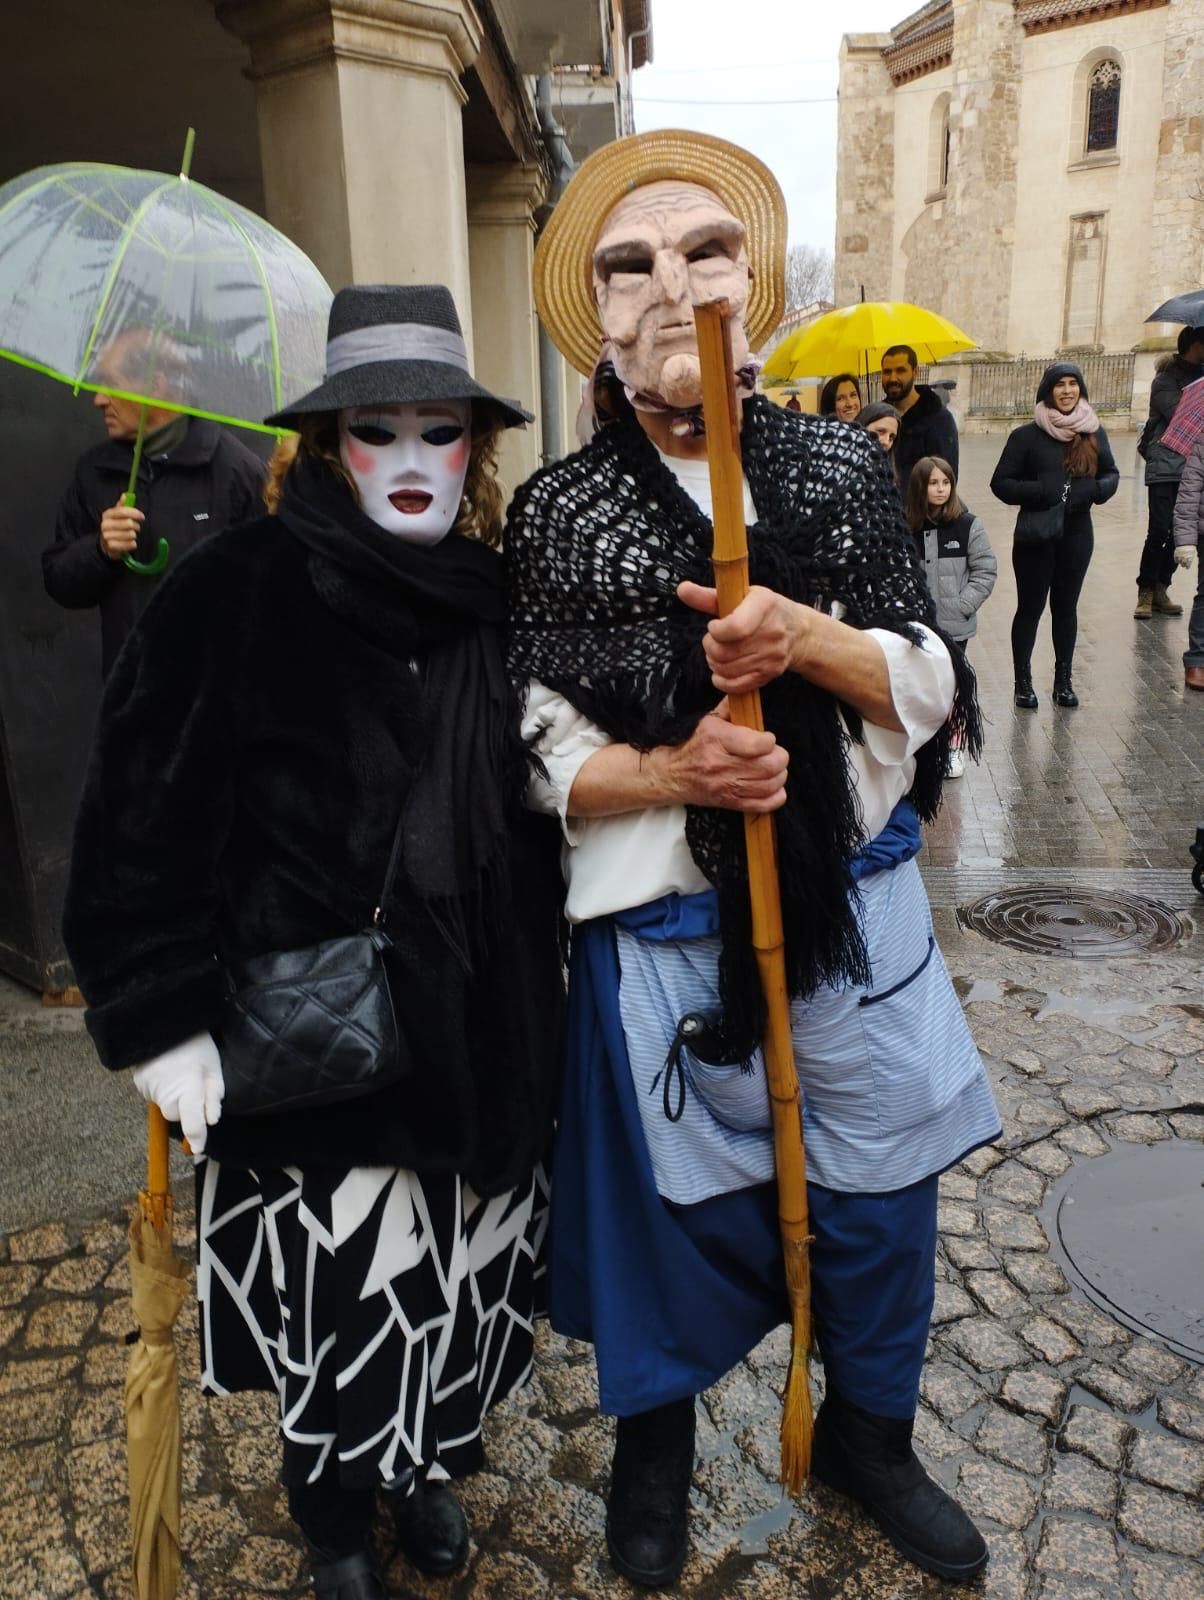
(1061, 920)
(1131, 1225)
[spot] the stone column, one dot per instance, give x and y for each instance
(501, 236)
(1177, 235)
(865, 171)
(984, 127)
(360, 133)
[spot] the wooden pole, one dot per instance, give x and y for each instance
(721, 414)
(155, 1199)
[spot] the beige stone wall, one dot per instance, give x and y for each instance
(865, 172)
(1176, 256)
(918, 107)
(979, 210)
(1057, 181)
(992, 252)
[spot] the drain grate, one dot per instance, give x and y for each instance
(1128, 1224)
(1080, 923)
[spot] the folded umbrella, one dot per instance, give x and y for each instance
(160, 1285)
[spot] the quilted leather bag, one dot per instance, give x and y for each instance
(311, 1027)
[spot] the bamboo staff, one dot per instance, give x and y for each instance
(721, 414)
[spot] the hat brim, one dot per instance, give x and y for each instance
(564, 283)
(384, 383)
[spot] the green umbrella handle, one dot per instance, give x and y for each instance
(158, 562)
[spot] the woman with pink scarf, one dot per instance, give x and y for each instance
(1055, 468)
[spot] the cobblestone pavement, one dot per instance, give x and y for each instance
(1077, 1444)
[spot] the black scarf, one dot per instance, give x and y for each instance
(445, 605)
(596, 546)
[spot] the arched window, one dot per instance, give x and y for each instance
(939, 146)
(1103, 106)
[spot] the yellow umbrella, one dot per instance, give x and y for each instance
(152, 1397)
(855, 338)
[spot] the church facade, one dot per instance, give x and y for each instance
(1033, 169)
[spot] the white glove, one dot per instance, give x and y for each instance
(1185, 554)
(187, 1086)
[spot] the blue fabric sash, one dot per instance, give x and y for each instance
(694, 916)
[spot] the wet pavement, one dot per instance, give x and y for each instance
(1076, 1441)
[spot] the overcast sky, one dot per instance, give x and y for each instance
(761, 51)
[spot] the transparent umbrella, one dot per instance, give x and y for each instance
(152, 287)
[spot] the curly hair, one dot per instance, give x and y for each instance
(481, 504)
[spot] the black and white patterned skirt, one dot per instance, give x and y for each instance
(389, 1311)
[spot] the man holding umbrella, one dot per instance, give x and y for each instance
(664, 1232)
(193, 480)
(926, 425)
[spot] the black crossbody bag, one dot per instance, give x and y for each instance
(312, 1027)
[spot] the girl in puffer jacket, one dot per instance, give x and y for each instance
(959, 563)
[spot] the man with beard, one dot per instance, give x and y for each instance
(664, 1248)
(926, 426)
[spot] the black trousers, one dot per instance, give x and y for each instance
(334, 1520)
(1052, 570)
(1158, 552)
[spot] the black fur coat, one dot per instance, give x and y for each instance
(257, 741)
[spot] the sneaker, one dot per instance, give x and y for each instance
(955, 765)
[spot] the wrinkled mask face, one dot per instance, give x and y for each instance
(408, 463)
(663, 249)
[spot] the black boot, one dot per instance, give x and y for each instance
(345, 1578)
(1063, 690)
(646, 1531)
(431, 1528)
(871, 1460)
(1025, 697)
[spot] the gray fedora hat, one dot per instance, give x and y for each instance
(395, 344)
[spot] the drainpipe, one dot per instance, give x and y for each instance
(632, 38)
(551, 366)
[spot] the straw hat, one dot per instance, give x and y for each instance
(564, 282)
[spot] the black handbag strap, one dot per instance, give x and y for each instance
(378, 916)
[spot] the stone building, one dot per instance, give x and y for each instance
(394, 140)
(1031, 168)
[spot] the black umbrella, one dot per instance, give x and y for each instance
(1187, 308)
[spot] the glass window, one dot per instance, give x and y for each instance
(1103, 106)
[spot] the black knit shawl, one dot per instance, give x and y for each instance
(596, 546)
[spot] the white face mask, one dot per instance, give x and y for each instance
(409, 463)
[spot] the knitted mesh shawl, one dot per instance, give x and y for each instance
(596, 546)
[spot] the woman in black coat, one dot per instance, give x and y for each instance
(305, 691)
(1055, 468)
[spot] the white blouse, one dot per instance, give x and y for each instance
(615, 862)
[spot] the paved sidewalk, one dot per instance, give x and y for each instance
(1078, 1444)
(1117, 782)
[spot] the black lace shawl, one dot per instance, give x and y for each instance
(596, 546)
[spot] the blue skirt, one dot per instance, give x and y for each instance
(673, 1296)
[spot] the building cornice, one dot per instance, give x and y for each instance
(921, 43)
(442, 37)
(1045, 16)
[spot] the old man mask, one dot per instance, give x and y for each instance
(664, 248)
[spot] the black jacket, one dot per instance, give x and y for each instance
(927, 429)
(1163, 465)
(1032, 472)
(208, 482)
(254, 753)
